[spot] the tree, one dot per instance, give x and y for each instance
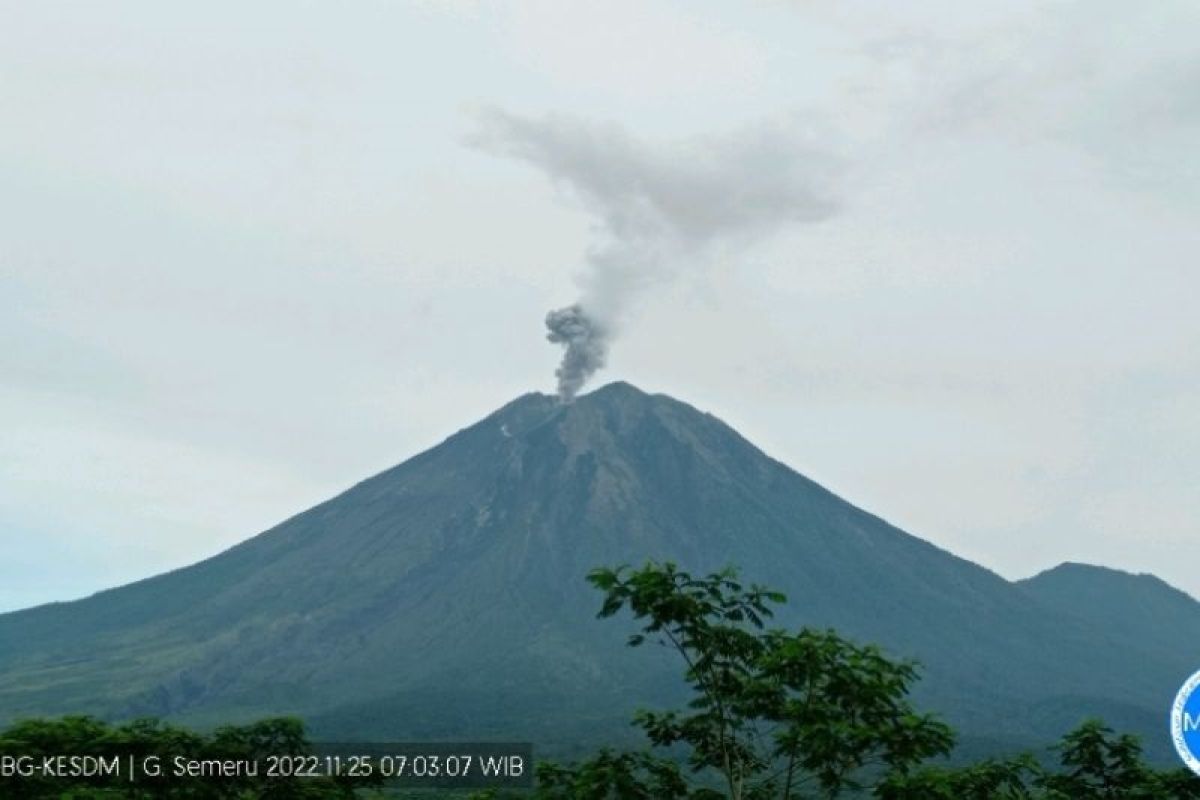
(779, 716)
(1099, 764)
(150, 738)
(991, 779)
(1094, 764)
(772, 713)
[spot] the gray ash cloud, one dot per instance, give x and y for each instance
(585, 344)
(660, 208)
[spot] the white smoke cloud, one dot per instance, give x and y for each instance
(660, 208)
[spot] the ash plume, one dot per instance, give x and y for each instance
(585, 347)
(660, 208)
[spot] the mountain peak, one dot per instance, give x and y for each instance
(420, 601)
(617, 409)
(536, 405)
(1077, 577)
(1128, 607)
(619, 390)
(620, 395)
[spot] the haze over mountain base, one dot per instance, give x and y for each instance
(445, 598)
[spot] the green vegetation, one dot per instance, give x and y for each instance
(781, 716)
(1094, 764)
(152, 739)
(771, 712)
(443, 599)
(772, 715)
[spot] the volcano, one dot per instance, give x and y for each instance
(445, 598)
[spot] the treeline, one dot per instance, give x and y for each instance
(773, 715)
(73, 759)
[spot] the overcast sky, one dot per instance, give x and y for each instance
(940, 257)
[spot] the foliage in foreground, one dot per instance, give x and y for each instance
(773, 716)
(85, 736)
(782, 716)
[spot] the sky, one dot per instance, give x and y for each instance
(939, 257)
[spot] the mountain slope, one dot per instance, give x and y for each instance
(1140, 609)
(445, 597)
